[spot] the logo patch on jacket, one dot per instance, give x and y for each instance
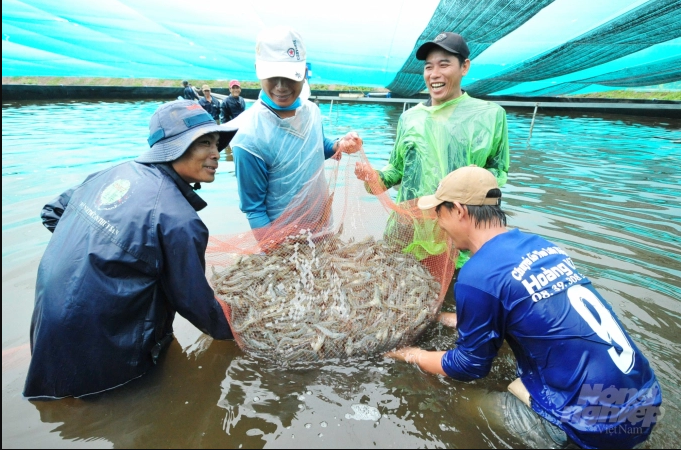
(114, 195)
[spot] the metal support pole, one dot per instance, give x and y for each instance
(536, 105)
(330, 116)
(404, 108)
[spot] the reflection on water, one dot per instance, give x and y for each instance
(605, 188)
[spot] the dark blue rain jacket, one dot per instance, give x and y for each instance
(127, 253)
(189, 93)
(212, 107)
(231, 107)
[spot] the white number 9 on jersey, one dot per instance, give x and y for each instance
(604, 326)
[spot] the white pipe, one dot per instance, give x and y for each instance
(536, 105)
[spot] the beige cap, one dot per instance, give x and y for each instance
(205, 87)
(466, 185)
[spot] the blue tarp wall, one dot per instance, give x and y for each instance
(540, 47)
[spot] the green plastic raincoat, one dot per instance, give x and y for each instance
(431, 142)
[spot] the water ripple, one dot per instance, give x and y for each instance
(606, 188)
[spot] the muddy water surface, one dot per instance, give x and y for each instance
(605, 188)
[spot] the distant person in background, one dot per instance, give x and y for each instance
(189, 93)
(453, 130)
(233, 104)
(127, 252)
(280, 147)
(210, 103)
(306, 92)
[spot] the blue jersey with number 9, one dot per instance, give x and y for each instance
(583, 371)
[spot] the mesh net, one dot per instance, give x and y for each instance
(507, 39)
(330, 278)
(651, 23)
(655, 72)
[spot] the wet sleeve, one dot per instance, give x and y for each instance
(252, 180)
(481, 334)
(184, 278)
(226, 111)
(392, 173)
(53, 211)
(215, 108)
(498, 161)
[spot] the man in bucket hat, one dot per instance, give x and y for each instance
(582, 379)
(127, 252)
(449, 131)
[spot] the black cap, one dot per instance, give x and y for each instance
(451, 42)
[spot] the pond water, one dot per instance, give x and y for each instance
(605, 188)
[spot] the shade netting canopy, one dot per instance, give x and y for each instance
(543, 47)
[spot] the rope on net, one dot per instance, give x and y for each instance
(652, 23)
(480, 23)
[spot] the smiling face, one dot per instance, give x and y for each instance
(442, 74)
(282, 91)
(200, 161)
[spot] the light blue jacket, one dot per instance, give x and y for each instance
(278, 160)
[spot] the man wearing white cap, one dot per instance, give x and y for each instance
(568, 343)
(280, 147)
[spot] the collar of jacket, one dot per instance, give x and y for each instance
(429, 102)
(185, 188)
(271, 109)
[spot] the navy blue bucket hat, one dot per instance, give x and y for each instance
(175, 125)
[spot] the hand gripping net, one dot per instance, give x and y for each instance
(333, 276)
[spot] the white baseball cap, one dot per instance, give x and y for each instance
(280, 52)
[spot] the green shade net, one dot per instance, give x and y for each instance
(652, 23)
(655, 72)
(481, 23)
(512, 42)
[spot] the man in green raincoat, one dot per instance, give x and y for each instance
(450, 131)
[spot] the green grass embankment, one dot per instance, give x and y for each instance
(159, 82)
(635, 95)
